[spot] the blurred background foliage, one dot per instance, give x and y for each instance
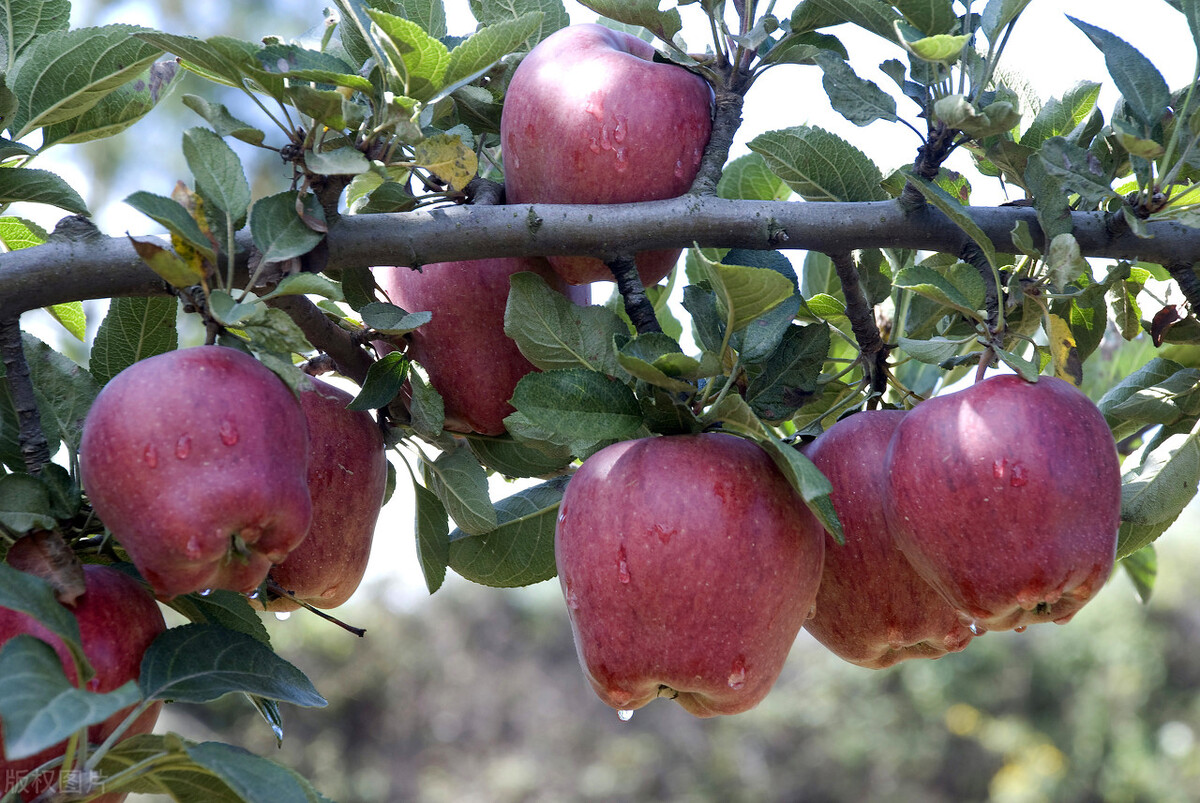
(475, 694)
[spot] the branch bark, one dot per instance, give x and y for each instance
(104, 267)
(35, 451)
(871, 347)
(629, 285)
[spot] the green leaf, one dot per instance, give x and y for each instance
(72, 318)
(935, 350)
(1061, 117)
(392, 320)
(489, 44)
(872, 15)
(384, 379)
(10, 446)
(747, 178)
(420, 59)
(117, 110)
(552, 332)
(819, 165)
(942, 49)
(1142, 568)
(222, 122)
(220, 179)
(745, 293)
(581, 406)
(1161, 392)
(133, 329)
(663, 24)
(762, 336)
(279, 232)
(170, 214)
(17, 233)
(311, 284)
(30, 185)
(65, 390)
(433, 536)
(461, 484)
(40, 707)
(202, 663)
(808, 481)
(427, 410)
(222, 59)
(228, 609)
(931, 17)
(554, 15)
(1077, 169)
(520, 551)
(22, 21)
(250, 776)
(1142, 86)
(789, 376)
(859, 101)
(950, 207)
(999, 13)
(62, 74)
(33, 596)
(512, 458)
(928, 282)
(1157, 490)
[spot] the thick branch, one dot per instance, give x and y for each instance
(35, 451)
(65, 271)
(629, 285)
(1184, 274)
(727, 118)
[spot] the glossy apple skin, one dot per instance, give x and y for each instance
(873, 609)
(589, 118)
(117, 621)
(688, 564)
(469, 359)
(347, 475)
(196, 460)
(1006, 497)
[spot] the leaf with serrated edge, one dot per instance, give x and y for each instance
(859, 101)
(67, 388)
(552, 332)
(202, 663)
(24, 592)
(460, 482)
(432, 531)
(747, 178)
(581, 405)
(488, 44)
(554, 15)
(40, 707)
(520, 551)
(117, 110)
(220, 178)
(278, 232)
(663, 24)
(819, 165)
(31, 185)
(133, 329)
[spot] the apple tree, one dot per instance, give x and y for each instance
(434, 224)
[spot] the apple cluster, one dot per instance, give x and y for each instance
(211, 473)
(689, 564)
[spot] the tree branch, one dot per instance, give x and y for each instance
(348, 357)
(34, 449)
(727, 119)
(104, 267)
(873, 352)
(1184, 274)
(629, 285)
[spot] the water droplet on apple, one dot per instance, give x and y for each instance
(678, 168)
(594, 145)
(622, 565)
(516, 161)
(205, 592)
(998, 468)
(229, 433)
(594, 109)
(737, 673)
(183, 446)
(974, 628)
(1017, 478)
(253, 595)
(1020, 629)
(619, 130)
(150, 456)
(624, 715)
(605, 139)
(622, 159)
(282, 615)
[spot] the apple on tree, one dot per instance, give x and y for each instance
(1006, 497)
(118, 619)
(347, 476)
(471, 362)
(590, 118)
(688, 564)
(873, 609)
(196, 461)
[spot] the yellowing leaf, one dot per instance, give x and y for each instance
(166, 263)
(447, 157)
(1063, 352)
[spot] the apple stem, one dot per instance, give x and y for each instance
(873, 352)
(35, 451)
(484, 192)
(280, 591)
(637, 304)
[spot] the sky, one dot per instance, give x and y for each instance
(1045, 48)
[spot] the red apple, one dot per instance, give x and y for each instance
(873, 609)
(688, 564)
(196, 460)
(1006, 497)
(347, 473)
(590, 118)
(117, 621)
(469, 359)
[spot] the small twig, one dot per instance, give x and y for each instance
(629, 285)
(872, 349)
(349, 357)
(928, 164)
(35, 450)
(727, 118)
(484, 192)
